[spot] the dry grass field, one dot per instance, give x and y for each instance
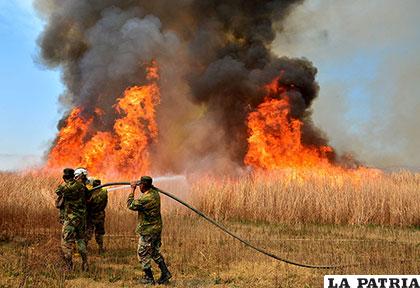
(367, 218)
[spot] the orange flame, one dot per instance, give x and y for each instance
(136, 130)
(97, 152)
(69, 140)
(275, 136)
(122, 152)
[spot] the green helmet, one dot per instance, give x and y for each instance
(146, 180)
(96, 182)
(68, 172)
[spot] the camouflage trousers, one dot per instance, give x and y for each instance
(148, 249)
(96, 225)
(73, 232)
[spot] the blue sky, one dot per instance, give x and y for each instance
(29, 93)
(350, 56)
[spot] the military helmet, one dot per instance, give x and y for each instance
(68, 172)
(90, 180)
(146, 180)
(96, 182)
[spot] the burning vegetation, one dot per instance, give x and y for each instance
(218, 81)
(121, 151)
(275, 136)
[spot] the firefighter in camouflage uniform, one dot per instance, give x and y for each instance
(149, 228)
(71, 200)
(96, 215)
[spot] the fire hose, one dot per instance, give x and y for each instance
(224, 229)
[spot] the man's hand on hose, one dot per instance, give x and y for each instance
(133, 185)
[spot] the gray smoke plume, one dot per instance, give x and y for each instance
(214, 56)
(375, 46)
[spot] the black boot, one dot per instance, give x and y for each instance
(148, 277)
(69, 263)
(165, 274)
(100, 242)
(101, 250)
(85, 264)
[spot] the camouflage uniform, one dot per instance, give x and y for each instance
(149, 226)
(59, 204)
(74, 195)
(96, 216)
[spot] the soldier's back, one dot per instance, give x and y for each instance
(150, 219)
(98, 201)
(74, 196)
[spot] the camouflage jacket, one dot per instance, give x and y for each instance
(73, 197)
(98, 201)
(148, 207)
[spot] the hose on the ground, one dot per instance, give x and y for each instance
(224, 229)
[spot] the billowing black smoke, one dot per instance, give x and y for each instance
(214, 56)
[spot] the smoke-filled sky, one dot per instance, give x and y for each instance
(368, 56)
(367, 59)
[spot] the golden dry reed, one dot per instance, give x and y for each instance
(287, 196)
(356, 197)
(290, 203)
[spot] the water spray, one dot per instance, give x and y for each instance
(123, 185)
(155, 179)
